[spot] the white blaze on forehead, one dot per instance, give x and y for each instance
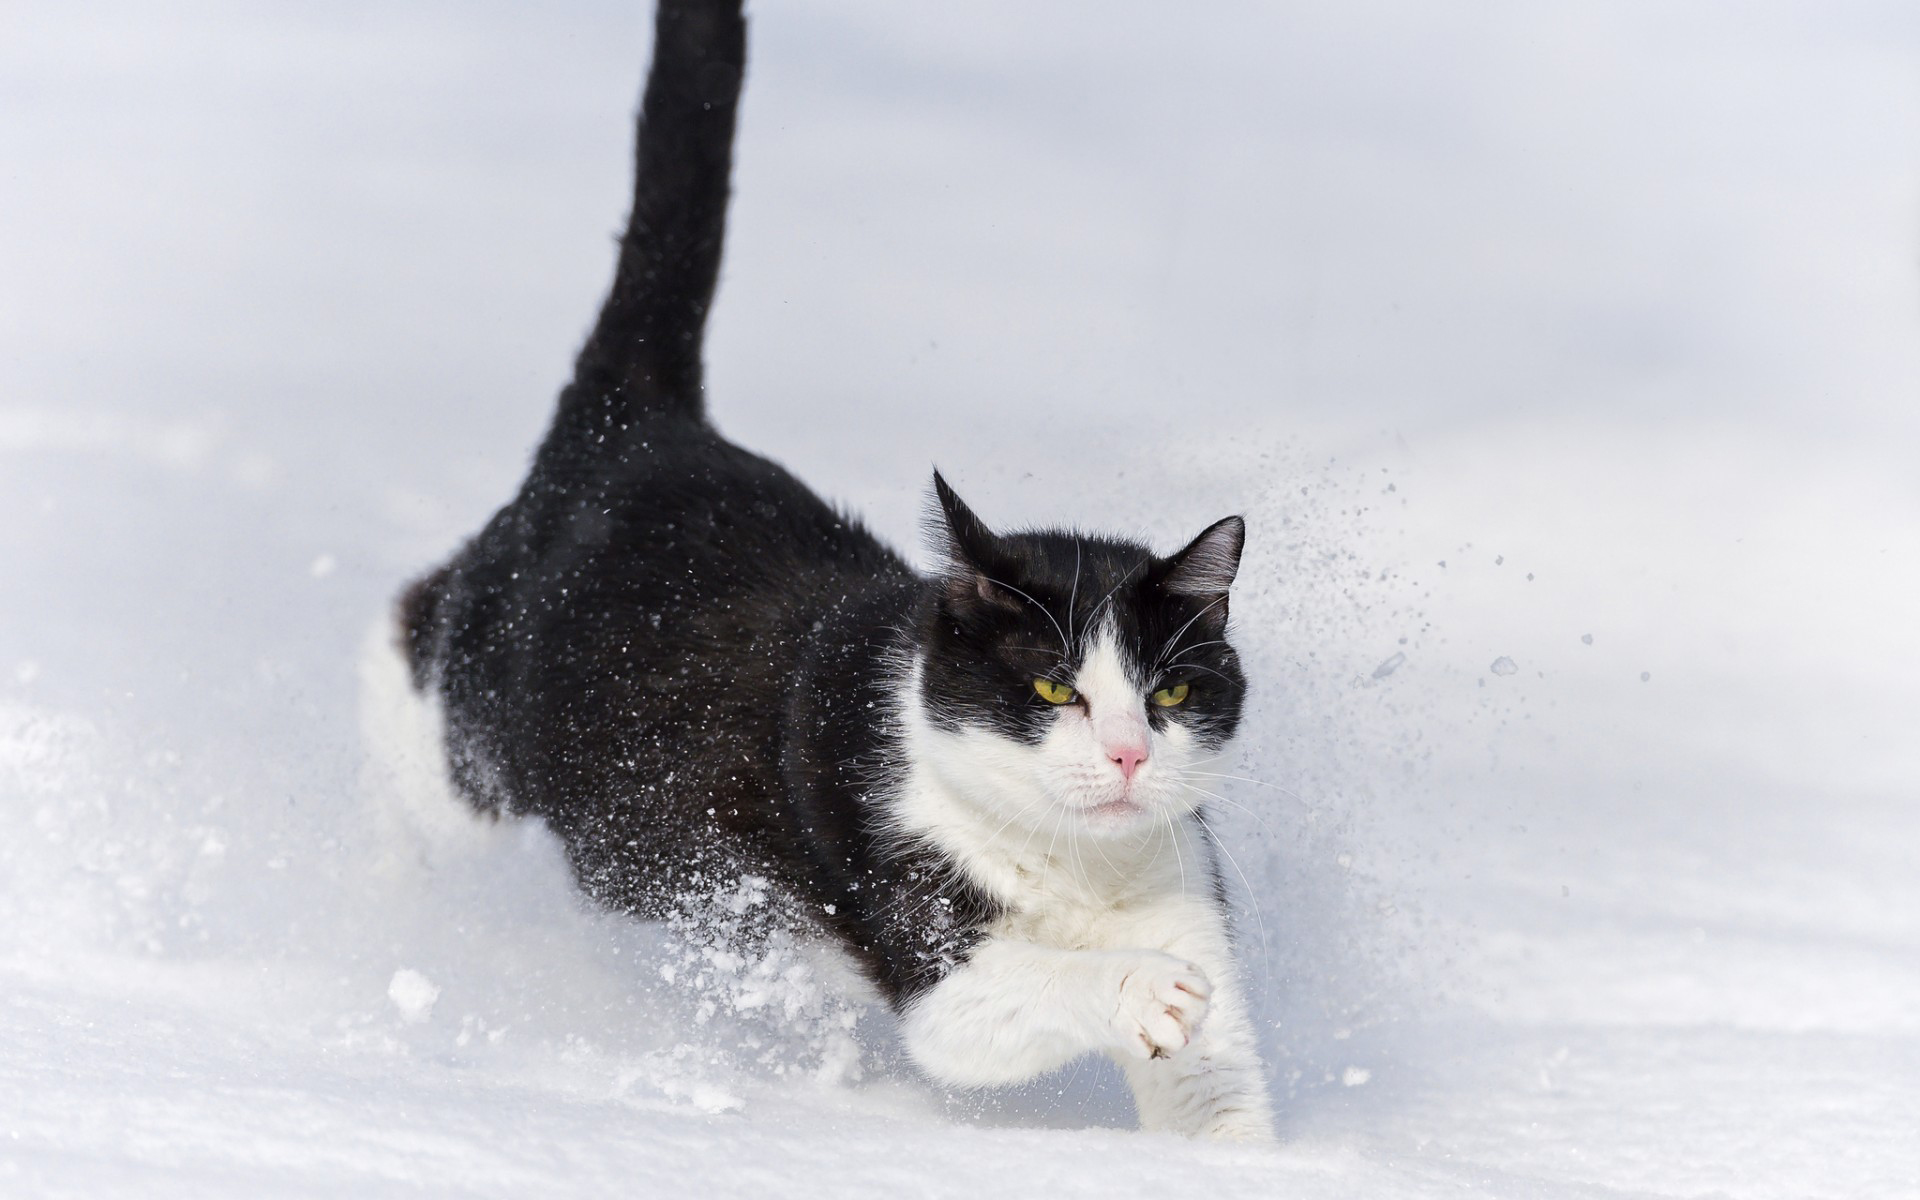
(1106, 679)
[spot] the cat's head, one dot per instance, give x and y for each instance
(1075, 678)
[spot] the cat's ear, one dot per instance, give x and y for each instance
(972, 551)
(1205, 569)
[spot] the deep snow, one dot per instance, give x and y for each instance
(1563, 359)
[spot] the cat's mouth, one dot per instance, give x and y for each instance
(1114, 810)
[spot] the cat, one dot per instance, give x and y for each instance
(975, 783)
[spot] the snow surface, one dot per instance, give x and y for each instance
(1576, 339)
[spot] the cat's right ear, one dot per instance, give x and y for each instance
(1205, 569)
(972, 553)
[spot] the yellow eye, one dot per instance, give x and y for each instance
(1167, 697)
(1053, 693)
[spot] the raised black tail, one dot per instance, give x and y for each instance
(642, 361)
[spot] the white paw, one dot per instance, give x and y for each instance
(1163, 999)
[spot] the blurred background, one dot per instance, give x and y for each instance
(1563, 358)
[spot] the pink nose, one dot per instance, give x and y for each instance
(1127, 758)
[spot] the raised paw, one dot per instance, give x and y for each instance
(1162, 1001)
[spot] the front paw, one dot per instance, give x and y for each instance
(1162, 1002)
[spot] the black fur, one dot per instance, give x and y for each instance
(643, 357)
(685, 662)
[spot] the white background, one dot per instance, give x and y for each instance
(1504, 324)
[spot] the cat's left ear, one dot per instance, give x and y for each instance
(1205, 569)
(972, 551)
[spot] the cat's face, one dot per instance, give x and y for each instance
(1079, 679)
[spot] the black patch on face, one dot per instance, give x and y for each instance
(1025, 606)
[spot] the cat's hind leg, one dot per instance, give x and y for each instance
(415, 808)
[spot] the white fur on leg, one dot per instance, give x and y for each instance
(1017, 1009)
(1214, 1089)
(1201, 1094)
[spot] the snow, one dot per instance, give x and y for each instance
(1619, 296)
(413, 994)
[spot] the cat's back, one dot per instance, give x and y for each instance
(625, 633)
(678, 515)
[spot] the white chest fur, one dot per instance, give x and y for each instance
(1055, 883)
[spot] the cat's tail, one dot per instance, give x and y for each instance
(642, 361)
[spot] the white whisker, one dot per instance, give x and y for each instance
(1124, 576)
(1252, 902)
(1074, 596)
(1178, 858)
(1175, 639)
(1255, 782)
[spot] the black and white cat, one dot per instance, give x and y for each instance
(976, 783)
